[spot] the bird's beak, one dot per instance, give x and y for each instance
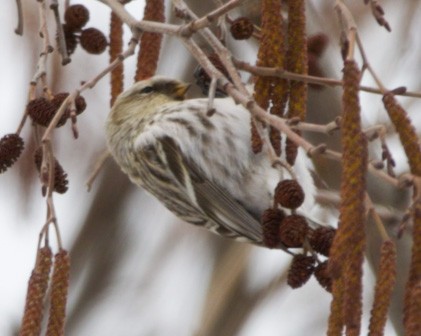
(180, 90)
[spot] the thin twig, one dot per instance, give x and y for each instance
(47, 48)
(224, 54)
(211, 96)
(65, 59)
(19, 27)
(328, 128)
(345, 17)
(208, 19)
(281, 73)
(31, 96)
(48, 157)
(97, 168)
(332, 198)
(376, 217)
(368, 66)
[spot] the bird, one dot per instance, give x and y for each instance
(200, 167)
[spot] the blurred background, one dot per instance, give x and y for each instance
(136, 269)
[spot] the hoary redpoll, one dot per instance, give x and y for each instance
(201, 168)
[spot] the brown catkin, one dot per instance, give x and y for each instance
(414, 278)
(37, 288)
(11, 147)
(336, 317)
(116, 48)
(410, 142)
(271, 91)
(150, 43)
(297, 62)
(59, 290)
(406, 131)
(347, 251)
(413, 313)
(386, 278)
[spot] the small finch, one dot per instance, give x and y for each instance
(201, 168)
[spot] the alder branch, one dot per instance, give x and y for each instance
(209, 18)
(328, 129)
(282, 73)
(47, 48)
(100, 161)
(224, 54)
(332, 198)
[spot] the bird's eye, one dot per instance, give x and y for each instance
(147, 89)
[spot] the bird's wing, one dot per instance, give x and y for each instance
(212, 200)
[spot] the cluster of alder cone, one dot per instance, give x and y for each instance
(11, 147)
(293, 231)
(42, 109)
(91, 40)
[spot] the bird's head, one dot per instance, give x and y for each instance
(145, 96)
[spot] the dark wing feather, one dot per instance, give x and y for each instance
(213, 200)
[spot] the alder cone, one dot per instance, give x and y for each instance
(59, 98)
(321, 239)
(302, 267)
(289, 194)
(242, 28)
(60, 176)
(322, 276)
(293, 230)
(41, 111)
(271, 221)
(76, 16)
(11, 147)
(93, 41)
